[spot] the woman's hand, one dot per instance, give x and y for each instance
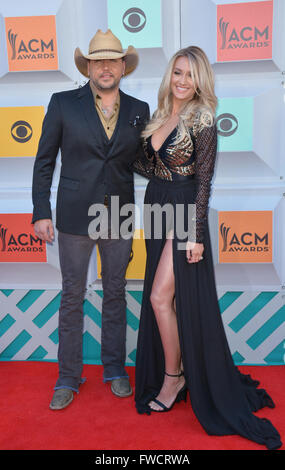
(194, 252)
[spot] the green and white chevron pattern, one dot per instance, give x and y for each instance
(254, 324)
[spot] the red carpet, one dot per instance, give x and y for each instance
(96, 419)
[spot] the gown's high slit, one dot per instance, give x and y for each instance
(222, 398)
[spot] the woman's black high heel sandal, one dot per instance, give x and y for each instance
(181, 395)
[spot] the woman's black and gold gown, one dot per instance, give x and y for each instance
(222, 398)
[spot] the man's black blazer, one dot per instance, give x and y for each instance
(91, 166)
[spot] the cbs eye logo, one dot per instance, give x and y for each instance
(134, 20)
(227, 124)
(21, 131)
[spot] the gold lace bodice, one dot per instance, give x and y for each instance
(195, 155)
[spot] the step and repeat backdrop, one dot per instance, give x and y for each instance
(245, 42)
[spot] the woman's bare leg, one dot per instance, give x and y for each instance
(162, 300)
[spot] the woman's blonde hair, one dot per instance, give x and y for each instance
(203, 102)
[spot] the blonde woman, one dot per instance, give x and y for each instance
(181, 342)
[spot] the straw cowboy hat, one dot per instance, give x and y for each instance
(106, 46)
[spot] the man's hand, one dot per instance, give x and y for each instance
(44, 230)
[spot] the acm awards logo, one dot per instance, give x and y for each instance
(246, 242)
(33, 49)
(31, 43)
(241, 38)
(19, 243)
(134, 20)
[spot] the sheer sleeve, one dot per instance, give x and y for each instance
(144, 164)
(206, 150)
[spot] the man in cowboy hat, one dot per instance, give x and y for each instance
(97, 127)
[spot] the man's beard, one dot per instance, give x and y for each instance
(103, 87)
